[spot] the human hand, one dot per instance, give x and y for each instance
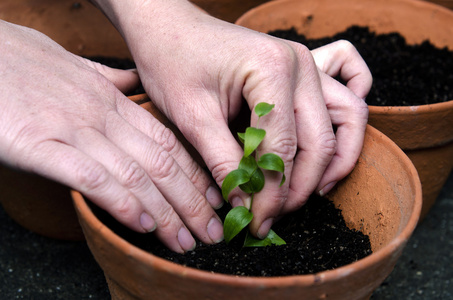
(342, 59)
(197, 69)
(65, 118)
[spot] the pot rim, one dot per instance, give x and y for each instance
(308, 279)
(272, 3)
(412, 109)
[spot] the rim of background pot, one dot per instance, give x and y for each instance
(416, 20)
(91, 223)
(78, 26)
(415, 120)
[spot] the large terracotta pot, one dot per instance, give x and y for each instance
(424, 132)
(381, 197)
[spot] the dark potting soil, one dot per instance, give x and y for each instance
(114, 62)
(316, 235)
(402, 74)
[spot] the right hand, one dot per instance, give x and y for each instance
(198, 69)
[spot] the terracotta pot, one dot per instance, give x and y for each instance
(228, 10)
(76, 25)
(446, 3)
(424, 132)
(381, 197)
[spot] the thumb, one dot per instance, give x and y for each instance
(124, 80)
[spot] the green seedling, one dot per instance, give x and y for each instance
(249, 177)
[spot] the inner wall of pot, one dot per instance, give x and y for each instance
(321, 18)
(78, 26)
(381, 205)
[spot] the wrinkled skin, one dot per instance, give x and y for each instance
(65, 117)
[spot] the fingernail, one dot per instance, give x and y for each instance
(215, 230)
(247, 202)
(185, 239)
(264, 228)
(327, 188)
(237, 201)
(147, 222)
(214, 198)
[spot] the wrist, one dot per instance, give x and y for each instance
(134, 16)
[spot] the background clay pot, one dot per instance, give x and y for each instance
(446, 3)
(76, 25)
(381, 197)
(228, 10)
(424, 132)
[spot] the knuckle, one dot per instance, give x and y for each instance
(286, 147)
(220, 170)
(166, 217)
(91, 176)
(131, 174)
(194, 173)
(361, 110)
(278, 58)
(327, 145)
(195, 207)
(346, 46)
(166, 138)
(162, 164)
(348, 166)
(124, 208)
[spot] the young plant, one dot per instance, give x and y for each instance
(249, 177)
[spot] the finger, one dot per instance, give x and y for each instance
(315, 136)
(68, 165)
(300, 121)
(349, 114)
(207, 130)
(342, 58)
(191, 206)
(150, 126)
(131, 176)
(280, 139)
(124, 80)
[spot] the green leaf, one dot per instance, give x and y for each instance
(255, 184)
(241, 136)
(248, 164)
(271, 239)
(263, 108)
(232, 180)
(236, 220)
(272, 162)
(253, 138)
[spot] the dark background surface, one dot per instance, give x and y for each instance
(35, 267)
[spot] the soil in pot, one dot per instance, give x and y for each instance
(317, 240)
(402, 74)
